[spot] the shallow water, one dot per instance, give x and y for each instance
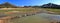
(38, 18)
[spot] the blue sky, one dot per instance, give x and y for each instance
(30, 2)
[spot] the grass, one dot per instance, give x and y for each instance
(9, 12)
(21, 10)
(54, 10)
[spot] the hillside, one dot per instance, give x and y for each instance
(51, 5)
(7, 5)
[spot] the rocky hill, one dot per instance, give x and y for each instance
(50, 5)
(7, 5)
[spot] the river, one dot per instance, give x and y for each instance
(38, 18)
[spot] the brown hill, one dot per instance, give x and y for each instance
(7, 5)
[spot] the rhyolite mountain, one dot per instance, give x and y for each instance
(50, 5)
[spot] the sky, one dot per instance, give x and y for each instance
(30, 2)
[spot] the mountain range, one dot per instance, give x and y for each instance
(49, 5)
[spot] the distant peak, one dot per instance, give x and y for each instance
(6, 3)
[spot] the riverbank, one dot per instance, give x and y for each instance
(53, 11)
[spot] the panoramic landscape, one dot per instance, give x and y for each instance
(29, 11)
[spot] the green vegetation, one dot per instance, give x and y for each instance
(19, 9)
(54, 10)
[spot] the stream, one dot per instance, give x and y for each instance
(42, 17)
